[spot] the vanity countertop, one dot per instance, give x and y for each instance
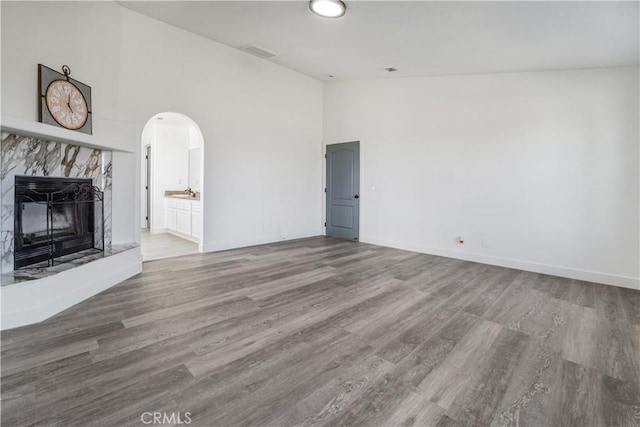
(182, 197)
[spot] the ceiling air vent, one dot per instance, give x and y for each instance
(258, 51)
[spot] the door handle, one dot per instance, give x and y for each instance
(356, 197)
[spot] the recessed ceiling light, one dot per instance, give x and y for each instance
(391, 69)
(328, 8)
(160, 118)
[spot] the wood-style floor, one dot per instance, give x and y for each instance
(323, 331)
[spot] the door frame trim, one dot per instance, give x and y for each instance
(323, 195)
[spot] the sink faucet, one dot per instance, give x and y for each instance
(189, 192)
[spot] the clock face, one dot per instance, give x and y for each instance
(66, 104)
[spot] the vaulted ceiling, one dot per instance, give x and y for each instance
(418, 38)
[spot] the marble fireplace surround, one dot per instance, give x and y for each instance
(31, 295)
(25, 155)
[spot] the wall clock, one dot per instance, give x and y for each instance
(64, 102)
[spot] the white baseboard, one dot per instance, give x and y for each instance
(34, 301)
(236, 244)
(554, 270)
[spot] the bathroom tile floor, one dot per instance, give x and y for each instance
(165, 245)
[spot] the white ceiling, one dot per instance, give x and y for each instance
(418, 38)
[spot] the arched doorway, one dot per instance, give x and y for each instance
(172, 186)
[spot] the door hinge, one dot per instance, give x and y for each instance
(325, 224)
(146, 157)
(146, 187)
(325, 156)
(146, 218)
(325, 189)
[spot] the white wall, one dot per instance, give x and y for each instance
(195, 160)
(261, 123)
(170, 170)
(544, 165)
(195, 169)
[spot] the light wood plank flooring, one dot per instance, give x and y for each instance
(165, 245)
(323, 331)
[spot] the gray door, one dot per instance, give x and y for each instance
(343, 190)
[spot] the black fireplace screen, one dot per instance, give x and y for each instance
(56, 217)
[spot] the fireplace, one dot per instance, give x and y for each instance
(54, 217)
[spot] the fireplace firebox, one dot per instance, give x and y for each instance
(56, 217)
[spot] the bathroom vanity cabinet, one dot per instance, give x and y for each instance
(182, 217)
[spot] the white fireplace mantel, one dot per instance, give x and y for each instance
(39, 130)
(38, 298)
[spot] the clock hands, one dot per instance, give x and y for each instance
(76, 114)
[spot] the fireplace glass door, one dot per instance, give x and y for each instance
(54, 217)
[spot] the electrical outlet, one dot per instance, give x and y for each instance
(484, 242)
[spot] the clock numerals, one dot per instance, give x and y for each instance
(66, 104)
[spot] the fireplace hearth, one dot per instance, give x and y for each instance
(54, 217)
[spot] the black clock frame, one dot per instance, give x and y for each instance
(48, 75)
